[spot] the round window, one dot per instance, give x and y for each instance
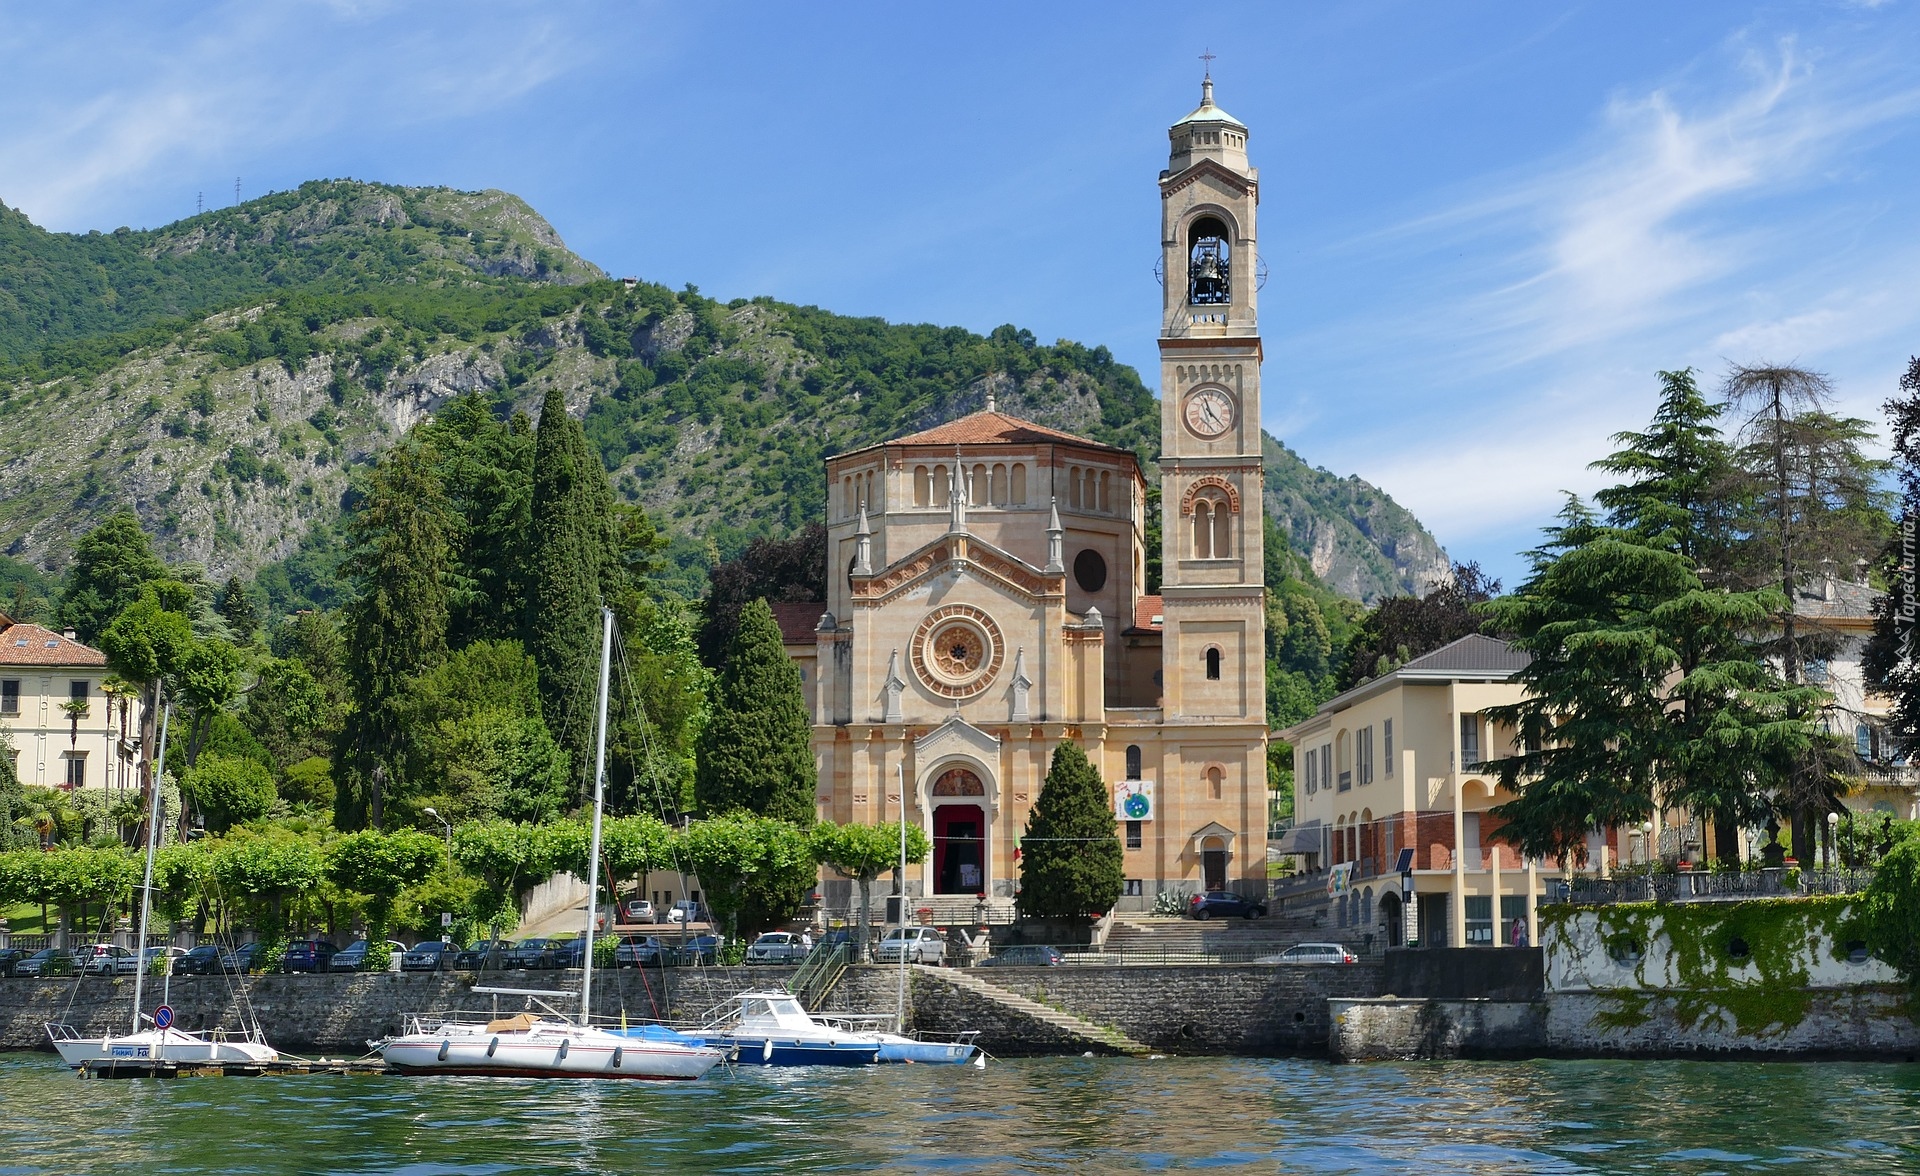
(1090, 571)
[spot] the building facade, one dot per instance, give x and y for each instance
(987, 596)
(67, 727)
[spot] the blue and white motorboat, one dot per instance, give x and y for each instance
(895, 1048)
(773, 1029)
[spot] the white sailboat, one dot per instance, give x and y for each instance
(531, 1046)
(160, 1047)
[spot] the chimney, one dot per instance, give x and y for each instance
(69, 634)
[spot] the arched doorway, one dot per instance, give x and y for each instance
(1213, 863)
(1390, 914)
(959, 833)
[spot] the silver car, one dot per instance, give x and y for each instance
(777, 947)
(1312, 953)
(920, 945)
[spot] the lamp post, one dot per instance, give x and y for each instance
(449, 827)
(1646, 840)
(1833, 830)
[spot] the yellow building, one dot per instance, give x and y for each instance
(987, 596)
(66, 732)
(1390, 803)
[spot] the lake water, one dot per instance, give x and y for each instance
(1041, 1115)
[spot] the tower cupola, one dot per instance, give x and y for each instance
(1208, 133)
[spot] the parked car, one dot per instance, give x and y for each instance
(568, 953)
(429, 955)
(701, 949)
(640, 951)
(308, 955)
(107, 959)
(241, 959)
(200, 961)
(686, 911)
(9, 956)
(48, 961)
(777, 947)
(1025, 955)
(531, 953)
(1312, 953)
(151, 957)
(638, 910)
(920, 945)
(835, 938)
(1224, 903)
(482, 953)
(353, 957)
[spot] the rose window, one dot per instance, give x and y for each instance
(957, 651)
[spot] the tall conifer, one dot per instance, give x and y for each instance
(396, 623)
(567, 555)
(755, 753)
(1071, 865)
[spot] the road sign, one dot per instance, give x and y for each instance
(163, 1016)
(446, 918)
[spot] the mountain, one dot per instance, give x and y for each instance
(229, 375)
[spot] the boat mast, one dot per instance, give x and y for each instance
(599, 802)
(900, 999)
(146, 885)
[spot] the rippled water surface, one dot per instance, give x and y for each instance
(1042, 1115)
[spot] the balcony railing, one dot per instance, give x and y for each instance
(1703, 884)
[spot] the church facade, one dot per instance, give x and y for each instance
(988, 599)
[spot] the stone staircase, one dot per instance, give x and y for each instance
(994, 1003)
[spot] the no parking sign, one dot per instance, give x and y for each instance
(163, 1016)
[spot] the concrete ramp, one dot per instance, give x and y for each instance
(959, 1001)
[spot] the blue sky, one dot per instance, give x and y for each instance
(1487, 225)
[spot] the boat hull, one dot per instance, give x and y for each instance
(157, 1049)
(547, 1055)
(927, 1053)
(756, 1051)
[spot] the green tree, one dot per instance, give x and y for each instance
(1071, 864)
(207, 678)
(236, 608)
(486, 467)
(397, 624)
(381, 865)
(111, 564)
(148, 640)
(755, 753)
(288, 711)
(755, 869)
(864, 852)
(16, 825)
(476, 746)
(263, 872)
(1889, 911)
(1893, 655)
(1402, 628)
(571, 505)
(228, 791)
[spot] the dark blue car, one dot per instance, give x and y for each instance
(1225, 903)
(308, 955)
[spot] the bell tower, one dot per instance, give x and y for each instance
(1212, 580)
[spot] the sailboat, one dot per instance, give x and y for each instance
(161, 1048)
(528, 1045)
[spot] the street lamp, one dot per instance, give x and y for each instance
(1646, 841)
(1833, 829)
(449, 826)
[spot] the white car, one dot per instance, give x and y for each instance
(685, 911)
(920, 945)
(638, 910)
(1312, 953)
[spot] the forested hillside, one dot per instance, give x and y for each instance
(229, 377)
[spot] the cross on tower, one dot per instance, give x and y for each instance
(1208, 57)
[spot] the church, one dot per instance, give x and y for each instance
(988, 599)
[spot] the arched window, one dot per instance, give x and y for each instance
(1133, 762)
(1216, 783)
(1222, 542)
(1019, 484)
(1212, 526)
(1213, 665)
(1073, 487)
(1209, 263)
(1203, 529)
(941, 495)
(999, 485)
(922, 487)
(1106, 492)
(981, 487)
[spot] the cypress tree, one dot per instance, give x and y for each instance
(1071, 864)
(237, 609)
(571, 501)
(396, 623)
(755, 753)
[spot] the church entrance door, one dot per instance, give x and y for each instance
(959, 863)
(1213, 864)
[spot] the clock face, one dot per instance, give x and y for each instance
(1209, 412)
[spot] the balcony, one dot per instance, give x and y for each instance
(1346, 781)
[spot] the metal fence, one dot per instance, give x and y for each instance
(1703, 885)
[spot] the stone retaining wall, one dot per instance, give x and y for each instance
(1395, 1028)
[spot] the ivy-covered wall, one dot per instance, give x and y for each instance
(1748, 967)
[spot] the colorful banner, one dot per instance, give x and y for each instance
(1133, 800)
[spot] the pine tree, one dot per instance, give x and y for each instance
(486, 465)
(755, 753)
(1893, 655)
(396, 623)
(237, 609)
(568, 553)
(1071, 864)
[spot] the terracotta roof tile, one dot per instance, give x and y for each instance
(797, 620)
(26, 644)
(995, 428)
(1149, 612)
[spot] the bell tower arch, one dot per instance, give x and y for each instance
(1210, 352)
